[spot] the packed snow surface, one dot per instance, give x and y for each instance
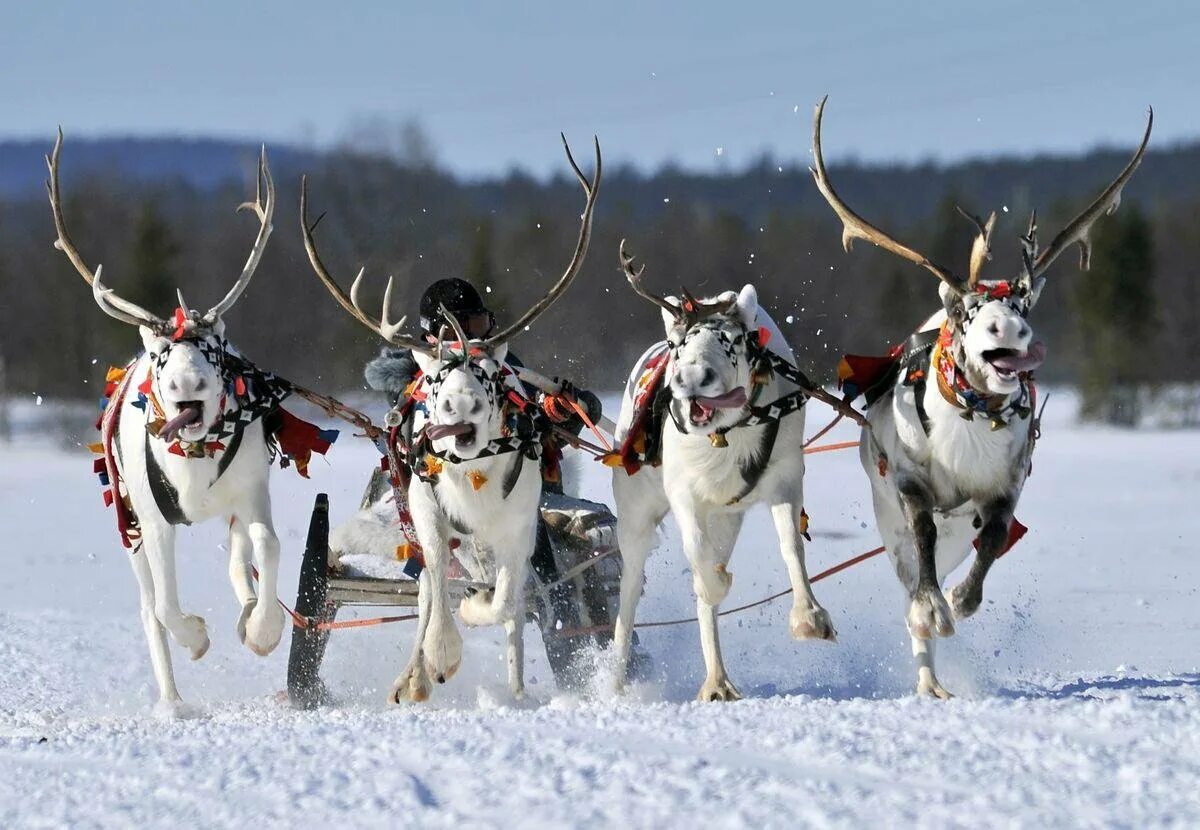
(1078, 684)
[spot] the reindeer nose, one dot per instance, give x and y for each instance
(697, 377)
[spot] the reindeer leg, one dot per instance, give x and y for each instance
(808, 620)
(413, 683)
(265, 621)
(967, 596)
(156, 635)
(189, 630)
(639, 510)
(441, 647)
(927, 682)
(928, 612)
(240, 575)
(514, 630)
(708, 541)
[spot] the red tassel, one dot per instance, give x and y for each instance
(1016, 531)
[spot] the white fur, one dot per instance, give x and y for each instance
(696, 481)
(503, 533)
(240, 496)
(963, 463)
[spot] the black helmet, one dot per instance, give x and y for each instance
(462, 300)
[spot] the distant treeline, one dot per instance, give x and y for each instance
(172, 224)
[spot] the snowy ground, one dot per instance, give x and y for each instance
(1078, 683)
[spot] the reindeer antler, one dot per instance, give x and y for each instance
(591, 190)
(1080, 228)
(111, 304)
(639, 287)
(265, 211)
(383, 326)
(855, 227)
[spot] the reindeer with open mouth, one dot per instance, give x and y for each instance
(952, 424)
(183, 442)
(712, 421)
(472, 469)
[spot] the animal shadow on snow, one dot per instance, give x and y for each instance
(1170, 687)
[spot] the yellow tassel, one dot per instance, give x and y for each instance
(433, 465)
(404, 552)
(803, 523)
(98, 449)
(611, 459)
(477, 479)
(115, 373)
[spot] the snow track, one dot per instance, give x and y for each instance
(1079, 698)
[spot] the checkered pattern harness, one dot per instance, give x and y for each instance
(524, 425)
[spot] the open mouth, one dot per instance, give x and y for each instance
(1008, 363)
(189, 415)
(703, 407)
(463, 434)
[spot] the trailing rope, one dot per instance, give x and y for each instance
(828, 572)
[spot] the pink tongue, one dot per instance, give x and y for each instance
(438, 431)
(732, 399)
(1033, 357)
(183, 419)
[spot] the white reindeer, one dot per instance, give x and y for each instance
(159, 429)
(735, 438)
(474, 474)
(948, 459)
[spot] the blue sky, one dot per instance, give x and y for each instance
(704, 83)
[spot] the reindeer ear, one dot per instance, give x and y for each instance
(668, 318)
(151, 340)
(747, 307)
(950, 300)
(424, 361)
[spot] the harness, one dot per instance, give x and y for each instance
(524, 433)
(643, 443)
(933, 347)
(249, 394)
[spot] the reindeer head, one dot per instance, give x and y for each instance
(709, 342)
(188, 351)
(991, 335)
(466, 393)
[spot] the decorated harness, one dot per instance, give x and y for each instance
(643, 443)
(248, 394)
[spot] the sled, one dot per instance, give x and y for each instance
(573, 602)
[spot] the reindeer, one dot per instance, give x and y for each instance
(735, 438)
(469, 476)
(947, 460)
(185, 453)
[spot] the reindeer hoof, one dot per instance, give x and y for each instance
(174, 709)
(191, 633)
(812, 624)
(718, 689)
(263, 628)
(928, 613)
(964, 601)
(244, 618)
(412, 686)
(476, 609)
(928, 686)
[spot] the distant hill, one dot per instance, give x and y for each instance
(1169, 175)
(204, 163)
